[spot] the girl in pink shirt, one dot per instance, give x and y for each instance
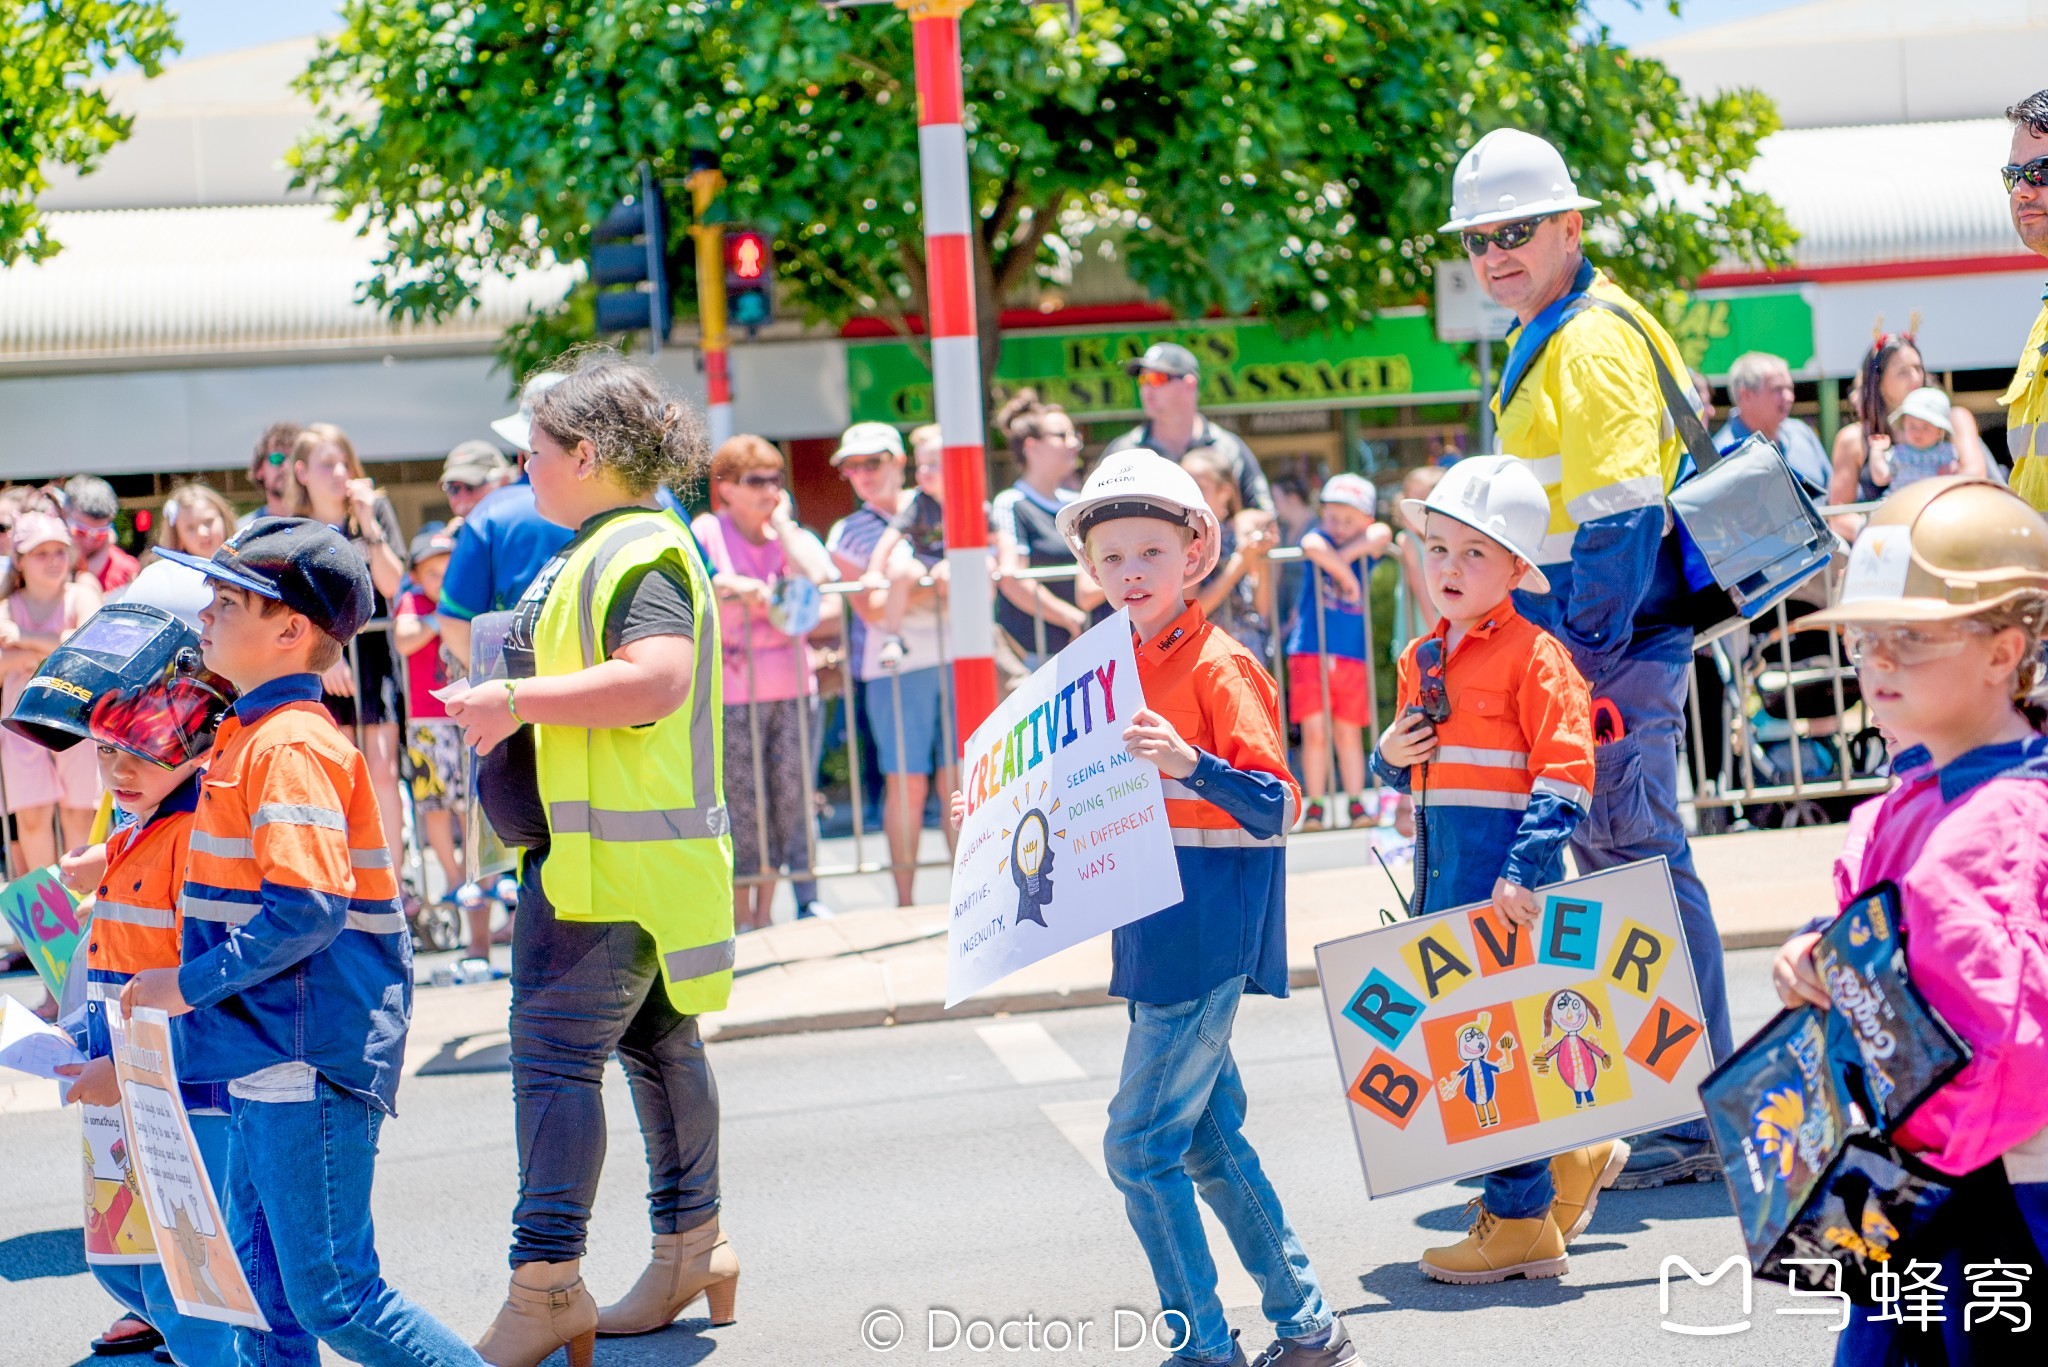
(1946, 604)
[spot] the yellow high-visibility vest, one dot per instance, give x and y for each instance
(636, 814)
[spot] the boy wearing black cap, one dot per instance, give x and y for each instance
(298, 963)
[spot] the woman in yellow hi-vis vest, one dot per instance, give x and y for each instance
(601, 755)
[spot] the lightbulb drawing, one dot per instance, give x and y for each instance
(1031, 866)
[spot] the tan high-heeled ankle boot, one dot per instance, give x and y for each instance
(547, 1308)
(697, 1261)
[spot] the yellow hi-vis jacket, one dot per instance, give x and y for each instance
(2026, 414)
(636, 814)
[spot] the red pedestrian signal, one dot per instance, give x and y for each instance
(749, 279)
(746, 255)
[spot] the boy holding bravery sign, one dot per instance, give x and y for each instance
(1503, 780)
(1211, 724)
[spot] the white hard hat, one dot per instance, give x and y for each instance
(1141, 483)
(1507, 175)
(1497, 496)
(517, 428)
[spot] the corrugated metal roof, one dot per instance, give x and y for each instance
(196, 282)
(1891, 192)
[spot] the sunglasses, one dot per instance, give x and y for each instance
(1507, 236)
(761, 480)
(862, 465)
(1429, 667)
(2034, 173)
(277, 458)
(1156, 379)
(456, 487)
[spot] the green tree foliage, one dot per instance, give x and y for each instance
(1285, 157)
(49, 116)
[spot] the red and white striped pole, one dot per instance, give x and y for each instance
(956, 353)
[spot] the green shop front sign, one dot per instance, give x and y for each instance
(1396, 358)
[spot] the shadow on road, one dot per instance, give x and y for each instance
(45, 1253)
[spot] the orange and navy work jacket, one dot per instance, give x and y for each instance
(135, 920)
(1229, 820)
(296, 950)
(1512, 775)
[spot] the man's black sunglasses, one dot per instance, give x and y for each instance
(1508, 235)
(2034, 173)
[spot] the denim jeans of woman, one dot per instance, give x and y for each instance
(1176, 1126)
(579, 991)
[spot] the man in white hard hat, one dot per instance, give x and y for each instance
(2026, 399)
(1579, 400)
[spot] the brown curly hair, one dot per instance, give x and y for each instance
(641, 435)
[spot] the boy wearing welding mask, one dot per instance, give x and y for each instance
(1493, 736)
(152, 715)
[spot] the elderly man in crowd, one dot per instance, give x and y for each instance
(1761, 385)
(2026, 400)
(1580, 400)
(472, 470)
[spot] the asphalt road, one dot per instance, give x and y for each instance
(915, 1174)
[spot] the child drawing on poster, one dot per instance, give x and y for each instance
(1475, 1074)
(1579, 1061)
(116, 1226)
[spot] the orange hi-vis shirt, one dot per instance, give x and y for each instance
(1229, 821)
(296, 949)
(1512, 775)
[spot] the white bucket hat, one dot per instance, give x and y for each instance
(1141, 483)
(1928, 404)
(1498, 497)
(517, 428)
(1509, 174)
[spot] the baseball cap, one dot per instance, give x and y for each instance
(474, 462)
(438, 539)
(1928, 404)
(1353, 491)
(869, 439)
(35, 529)
(304, 564)
(1168, 358)
(517, 428)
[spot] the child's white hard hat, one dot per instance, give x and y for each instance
(1141, 483)
(1497, 496)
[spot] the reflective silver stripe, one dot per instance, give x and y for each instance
(369, 859)
(376, 922)
(1549, 470)
(701, 962)
(1477, 797)
(1483, 757)
(1556, 548)
(156, 918)
(223, 846)
(621, 827)
(1622, 496)
(1570, 792)
(207, 909)
(103, 992)
(1289, 812)
(2020, 438)
(1224, 838)
(297, 814)
(600, 560)
(1173, 787)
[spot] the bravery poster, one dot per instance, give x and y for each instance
(1467, 1043)
(1065, 835)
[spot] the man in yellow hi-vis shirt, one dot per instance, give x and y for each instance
(2026, 400)
(1579, 401)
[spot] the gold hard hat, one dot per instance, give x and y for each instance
(1941, 549)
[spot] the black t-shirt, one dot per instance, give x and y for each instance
(654, 601)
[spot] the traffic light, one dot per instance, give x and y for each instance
(630, 249)
(749, 278)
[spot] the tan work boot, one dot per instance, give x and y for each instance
(547, 1308)
(1579, 1177)
(696, 1262)
(1498, 1249)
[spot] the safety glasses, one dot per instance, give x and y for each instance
(2034, 173)
(1907, 647)
(1507, 236)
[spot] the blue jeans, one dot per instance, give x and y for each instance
(142, 1290)
(1522, 1191)
(1635, 816)
(1176, 1124)
(299, 1175)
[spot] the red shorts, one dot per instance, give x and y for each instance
(1305, 688)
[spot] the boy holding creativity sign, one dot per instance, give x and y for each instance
(1211, 723)
(1502, 782)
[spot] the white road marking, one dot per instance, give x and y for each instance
(1083, 1123)
(1031, 1055)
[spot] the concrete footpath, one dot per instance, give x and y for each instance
(888, 967)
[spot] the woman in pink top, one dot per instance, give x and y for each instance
(1946, 602)
(770, 692)
(43, 604)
